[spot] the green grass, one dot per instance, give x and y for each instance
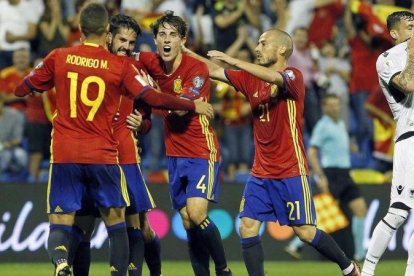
(180, 268)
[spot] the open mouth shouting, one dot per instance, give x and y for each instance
(123, 52)
(167, 49)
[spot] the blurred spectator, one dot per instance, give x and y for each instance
(384, 129)
(136, 9)
(227, 16)
(302, 58)
(40, 108)
(296, 13)
(17, 28)
(177, 6)
(323, 25)
(235, 121)
(337, 71)
(13, 158)
(330, 139)
(74, 35)
(202, 25)
(364, 52)
(53, 29)
(11, 76)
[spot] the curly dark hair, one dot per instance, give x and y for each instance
(116, 22)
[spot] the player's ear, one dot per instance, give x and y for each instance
(183, 41)
(394, 34)
(282, 50)
(109, 38)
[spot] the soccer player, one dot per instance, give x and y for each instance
(123, 32)
(88, 80)
(278, 187)
(191, 145)
(395, 69)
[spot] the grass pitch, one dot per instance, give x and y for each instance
(180, 268)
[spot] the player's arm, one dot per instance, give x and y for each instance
(40, 79)
(140, 119)
(320, 176)
(404, 81)
(261, 72)
(215, 71)
(136, 82)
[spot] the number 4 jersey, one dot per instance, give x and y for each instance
(88, 82)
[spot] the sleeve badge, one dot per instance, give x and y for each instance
(198, 82)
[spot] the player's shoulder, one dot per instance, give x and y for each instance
(292, 73)
(144, 56)
(396, 52)
(192, 62)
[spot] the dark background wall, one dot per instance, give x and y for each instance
(24, 227)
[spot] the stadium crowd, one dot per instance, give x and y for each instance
(336, 44)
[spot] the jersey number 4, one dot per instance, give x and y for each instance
(94, 104)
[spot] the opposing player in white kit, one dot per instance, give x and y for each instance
(395, 69)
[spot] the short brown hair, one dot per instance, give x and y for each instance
(94, 19)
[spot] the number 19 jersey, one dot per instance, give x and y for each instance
(88, 80)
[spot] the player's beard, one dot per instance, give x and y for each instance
(123, 52)
(266, 62)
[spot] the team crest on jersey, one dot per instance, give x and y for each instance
(290, 74)
(389, 64)
(198, 82)
(178, 85)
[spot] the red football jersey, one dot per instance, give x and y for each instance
(88, 80)
(127, 150)
(127, 143)
(277, 123)
(189, 135)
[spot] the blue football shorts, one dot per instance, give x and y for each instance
(139, 195)
(192, 177)
(69, 181)
(287, 200)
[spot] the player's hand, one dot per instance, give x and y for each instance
(221, 56)
(203, 108)
(141, 76)
(134, 121)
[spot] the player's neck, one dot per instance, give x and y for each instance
(280, 65)
(99, 40)
(172, 65)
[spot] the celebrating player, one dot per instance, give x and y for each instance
(123, 32)
(190, 142)
(88, 82)
(278, 188)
